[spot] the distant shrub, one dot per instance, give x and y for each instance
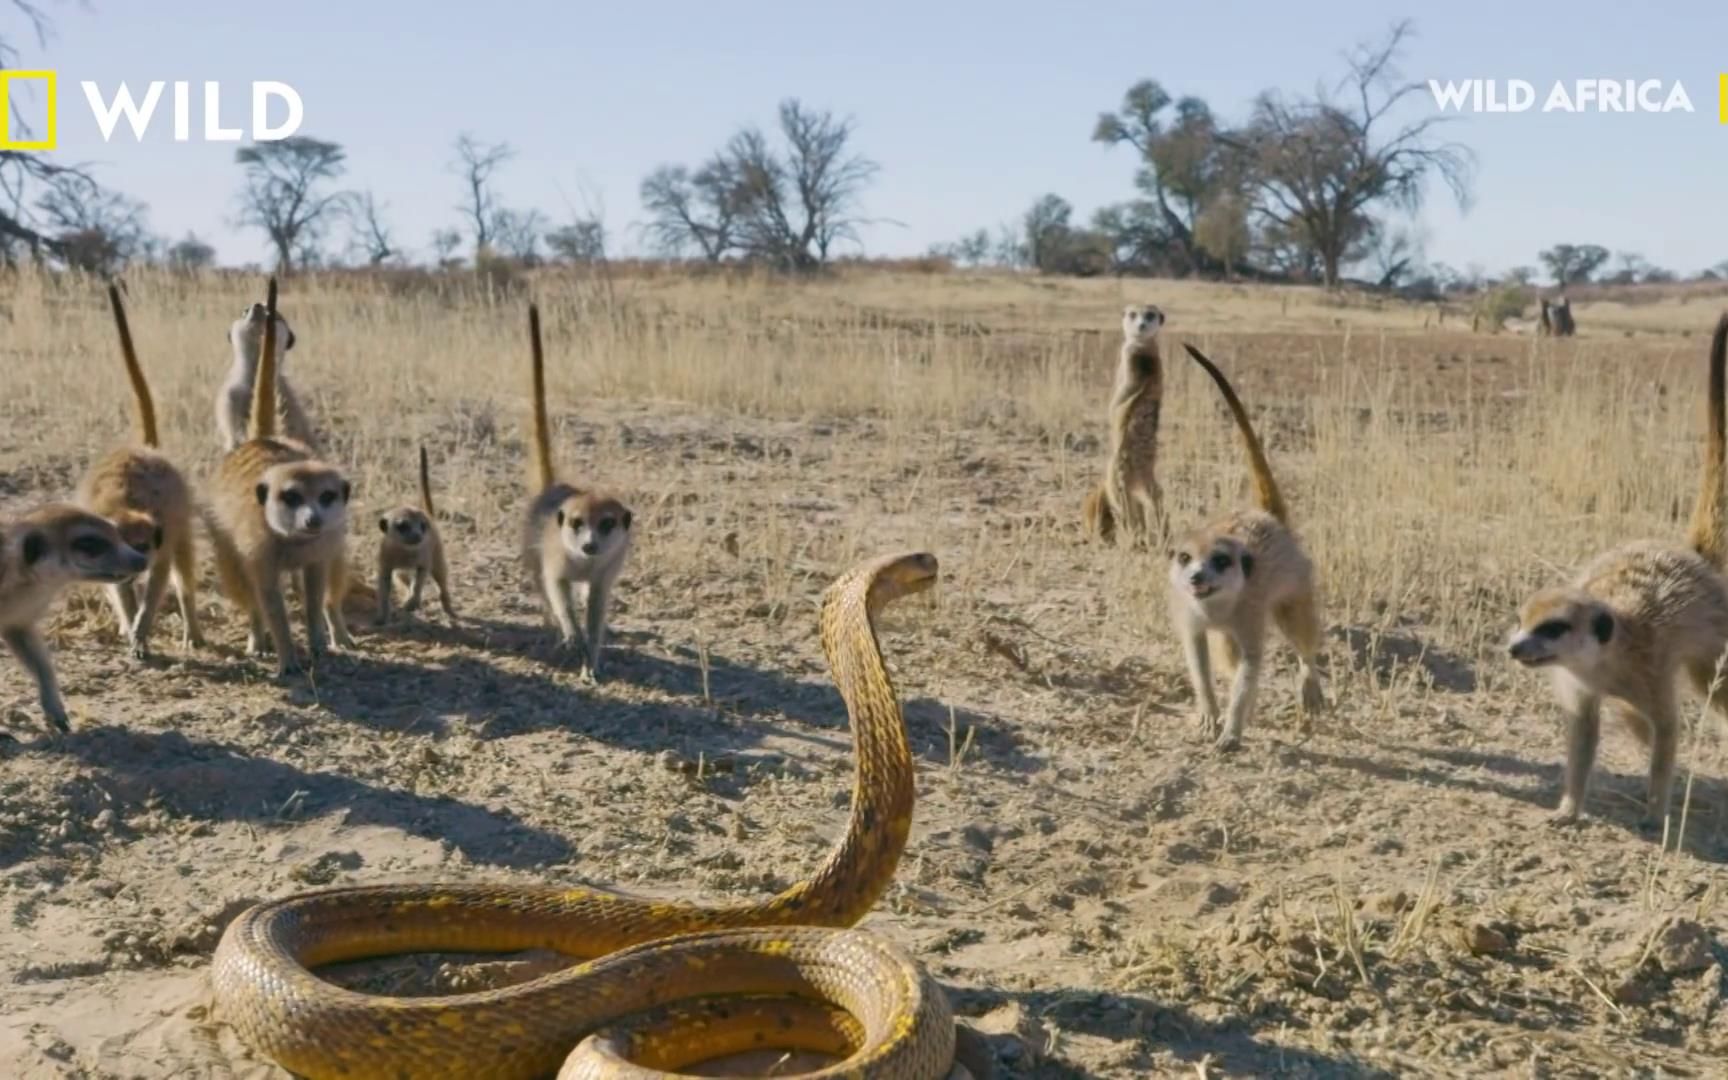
(1500, 303)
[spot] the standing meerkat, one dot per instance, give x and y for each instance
(1128, 503)
(277, 509)
(149, 501)
(1632, 621)
(575, 540)
(234, 400)
(411, 542)
(41, 553)
(1228, 578)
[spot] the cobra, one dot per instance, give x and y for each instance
(660, 985)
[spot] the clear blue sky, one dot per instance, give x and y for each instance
(972, 109)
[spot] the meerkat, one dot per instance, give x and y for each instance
(276, 508)
(1228, 578)
(575, 540)
(234, 400)
(411, 542)
(1632, 621)
(1128, 502)
(149, 501)
(41, 553)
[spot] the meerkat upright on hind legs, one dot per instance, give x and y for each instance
(1633, 621)
(1127, 503)
(575, 541)
(41, 553)
(412, 542)
(148, 499)
(278, 510)
(1232, 576)
(234, 400)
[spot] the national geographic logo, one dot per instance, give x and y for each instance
(108, 110)
(8, 112)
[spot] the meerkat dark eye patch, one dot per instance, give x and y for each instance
(34, 548)
(91, 546)
(1602, 626)
(575, 523)
(606, 526)
(1554, 629)
(327, 498)
(1183, 558)
(1220, 562)
(292, 498)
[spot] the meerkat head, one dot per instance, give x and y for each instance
(1562, 626)
(406, 525)
(304, 500)
(248, 329)
(1141, 323)
(593, 528)
(66, 543)
(1210, 569)
(141, 530)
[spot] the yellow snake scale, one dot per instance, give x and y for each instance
(661, 985)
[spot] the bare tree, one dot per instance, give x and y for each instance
(370, 236)
(284, 193)
(692, 211)
(1317, 167)
(97, 231)
(1573, 264)
(516, 234)
(788, 205)
(444, 245)
(190, 254)
(20, 170)
(475, 163)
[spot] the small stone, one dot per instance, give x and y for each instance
(1395, 902)
(107, 888)
(1481, 939)
(1683, 948)
(104, 820)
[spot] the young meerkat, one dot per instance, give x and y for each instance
(41, 553)
(1632, 621)
(234, 400)
(1230, 577)
(150, 502)
(411, 542)
(575, 540)
(277, 509)
(1128, 503)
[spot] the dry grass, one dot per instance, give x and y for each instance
(1080, 857)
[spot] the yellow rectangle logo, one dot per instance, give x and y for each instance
(1722, 98)
(51, 136)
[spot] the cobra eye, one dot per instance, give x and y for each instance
(1553, 629)
(327, 498)
(1220, 563)
(292, 498)
(91, 545)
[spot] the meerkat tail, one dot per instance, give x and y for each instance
(140, 388)
(541, 476)
(425, 486)
(1265, 488)
(262, 424)
(1708, 534)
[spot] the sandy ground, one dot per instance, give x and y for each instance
(1103, 895)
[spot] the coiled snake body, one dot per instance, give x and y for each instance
(661, 985)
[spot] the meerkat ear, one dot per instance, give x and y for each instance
(347, 491)
(263, 493)
(1602, 626)
(384, 525)
(35, 546)
(560, 519)
(627, 519)
(289, 344)
(1247, 564)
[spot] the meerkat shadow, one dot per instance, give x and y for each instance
(1386, 654)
